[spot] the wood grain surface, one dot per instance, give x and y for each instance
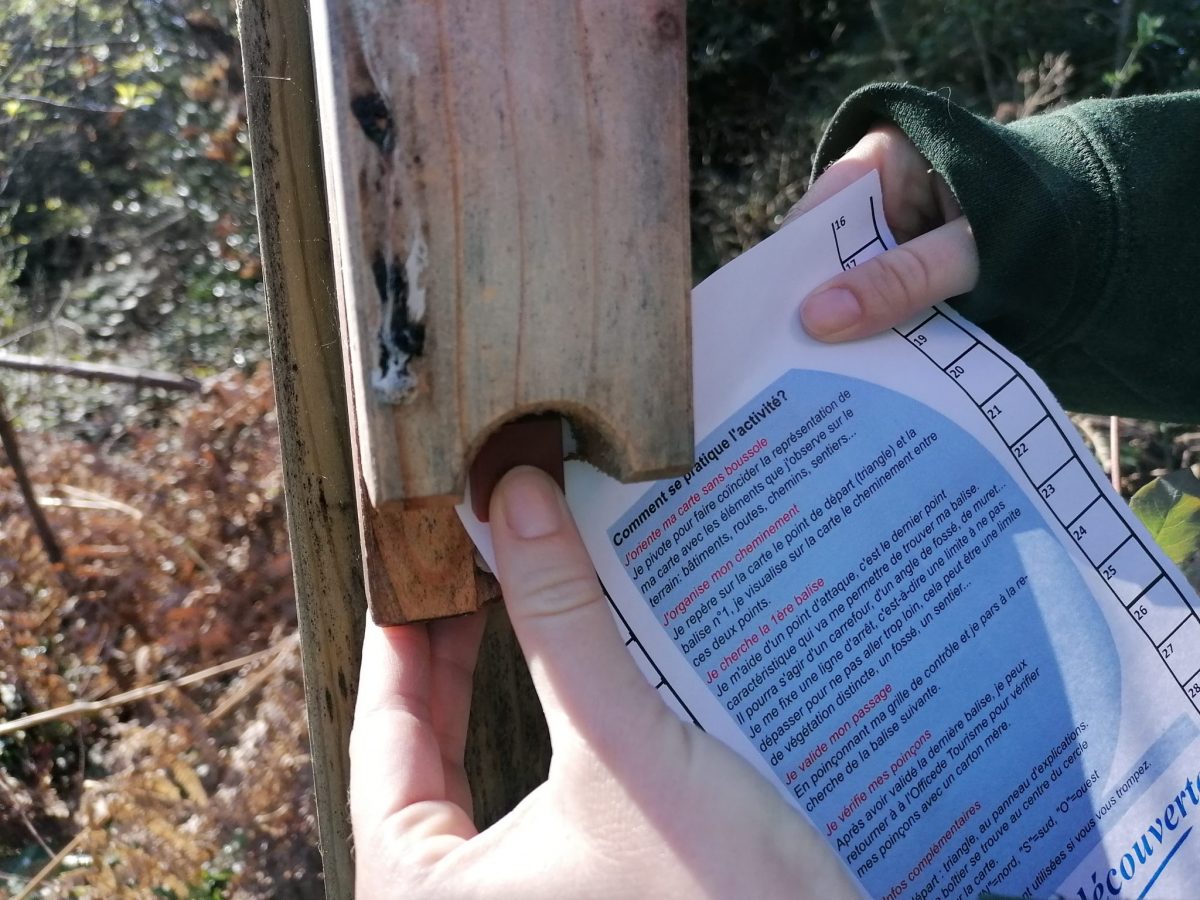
(508, 187)
(508, 749)
(310, 396)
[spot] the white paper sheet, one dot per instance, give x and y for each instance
(898, 584)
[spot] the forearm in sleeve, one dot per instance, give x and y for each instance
(1087, 250)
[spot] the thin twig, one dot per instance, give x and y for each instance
(94, 500)
(91, 707)
(50, 321)
(58, 104)
(1114, 451)
(250, 685)
(48, 869)
(893, 49)
(1124, 23)
(21, 333)
(87, 45)
(1096, 439)
(18, 807)
(985, 64)
(102, 372)
(12, 449)
(64, 503)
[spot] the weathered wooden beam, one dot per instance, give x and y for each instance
(310, 398)
(508, 750)
(508, 190)
(420, 564)
(508, 186)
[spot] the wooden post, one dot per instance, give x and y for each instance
(540, 169)
(508, 188)
(508, 750)
(310, 399)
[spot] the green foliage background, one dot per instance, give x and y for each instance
(126, 208)
(767, 74)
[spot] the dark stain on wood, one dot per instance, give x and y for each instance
(376, 120)
(398, 333)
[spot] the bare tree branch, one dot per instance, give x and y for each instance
(102, 372)
(889, 41)
(1124, 23)
(48, 869)
(59, 104)
(12, 449)
(91, 707)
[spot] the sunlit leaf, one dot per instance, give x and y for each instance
(1148, 27)
(126, 92)
(1170, 508)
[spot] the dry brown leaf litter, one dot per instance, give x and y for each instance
(177, 559)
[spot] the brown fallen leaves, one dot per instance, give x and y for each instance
(177, 559)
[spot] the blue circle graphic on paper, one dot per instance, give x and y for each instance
(946, 670)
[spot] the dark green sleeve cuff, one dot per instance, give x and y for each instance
(1083, 222)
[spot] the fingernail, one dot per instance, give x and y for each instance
(830, 312)
(532, 504)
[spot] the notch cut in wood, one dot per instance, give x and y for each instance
(508, 187)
